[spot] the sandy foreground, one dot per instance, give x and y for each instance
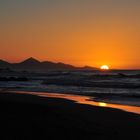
(24, 116)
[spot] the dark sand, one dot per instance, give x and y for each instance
(25, 117)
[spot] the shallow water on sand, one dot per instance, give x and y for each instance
(85, 100)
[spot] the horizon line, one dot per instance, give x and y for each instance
(98, 68)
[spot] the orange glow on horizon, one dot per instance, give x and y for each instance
(79, 33)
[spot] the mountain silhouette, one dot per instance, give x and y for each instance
(30, 60)
(4, 64)
(32, 64)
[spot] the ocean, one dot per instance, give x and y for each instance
(121, 86)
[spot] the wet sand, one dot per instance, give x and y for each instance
(25, 116)
(89, 101)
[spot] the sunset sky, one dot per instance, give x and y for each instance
(78, 32)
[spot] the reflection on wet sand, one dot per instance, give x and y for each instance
(86, 100)
(102, 104)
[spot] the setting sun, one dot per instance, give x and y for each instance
(104, 67)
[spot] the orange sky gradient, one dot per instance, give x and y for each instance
(78, 32)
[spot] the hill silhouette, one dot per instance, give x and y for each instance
(4, 63)
(32, 64)
(30, 60)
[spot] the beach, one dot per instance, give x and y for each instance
(70, 69)
(26, 116)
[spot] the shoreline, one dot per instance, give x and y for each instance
(97, 97)
(87, 100)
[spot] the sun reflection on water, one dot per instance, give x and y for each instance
(102, 104)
